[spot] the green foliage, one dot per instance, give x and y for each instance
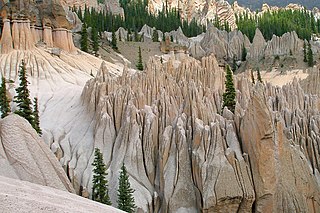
(95, 41)
(125, 198)
(139, 64)
(4, 101)
(278, 23)
(136, 15)
(305, 52)
(100, 183)
(100, 1)
(229, 96)
(84, 38)
(36, 120)
(23, 96)
(310, 56)
(114, 41)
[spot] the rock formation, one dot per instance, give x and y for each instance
(185, 153)
(223, 44)
(22, 196)
(26, 157)
(32, 23)
(257, 48)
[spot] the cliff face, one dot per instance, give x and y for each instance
(32, 23)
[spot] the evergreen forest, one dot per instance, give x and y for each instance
(278, 23)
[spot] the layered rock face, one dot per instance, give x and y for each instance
(24, 156)
(32, 23)
(184, 153)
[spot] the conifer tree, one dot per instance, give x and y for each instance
(259, 75)
(100, 183)
(4, 102)
(139, 64)
(23, 98)
(84, 38)
(36, 120)
(119, 35)
(229, 97)
(95, 41)
(125, 198)
(305, 52)
(310, 56)
(114, 41)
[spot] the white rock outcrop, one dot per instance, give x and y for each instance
(24, 156)
(21, 196)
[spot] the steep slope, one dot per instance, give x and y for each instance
(26, 157)
(22, 196)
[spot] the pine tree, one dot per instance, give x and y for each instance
(125, 198)
(229, 97)
(139, 64)
(4, 102)
(114, 41)
(305, 52)
(259, 75)
(84, 38)
(23, 98)
(36, 120)
(100, 183)
(310, 56)
(95, 41)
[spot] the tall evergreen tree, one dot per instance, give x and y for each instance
(95, 41)
(234, 63)
(305, 52)
(4, 102)
(139, 64)
(100, 183)
(36, 120)
(125, 198)
(310, 56)
(84, 38)
(114, 40)
(23, 98)
(229, 96)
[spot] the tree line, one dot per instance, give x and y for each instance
(278, 23)
(136, 15)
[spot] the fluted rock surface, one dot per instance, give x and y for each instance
(223, 44)
(257, 48)
(184, 153)
(24, 156)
